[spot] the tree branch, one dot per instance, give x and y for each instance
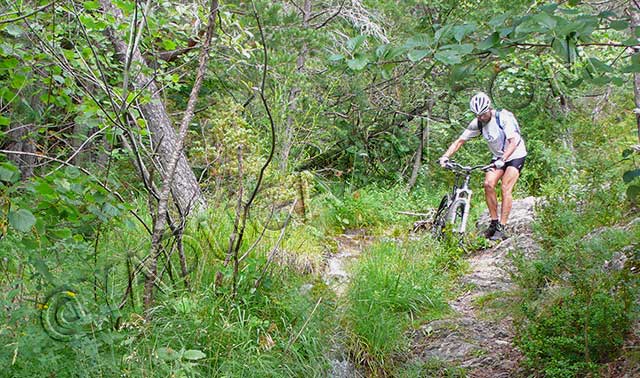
(332, 16)
(37, 10)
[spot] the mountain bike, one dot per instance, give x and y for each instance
(454, 206)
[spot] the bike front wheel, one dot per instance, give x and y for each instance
(440, 219)
(456, 217)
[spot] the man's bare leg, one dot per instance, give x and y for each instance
(508, 182)
(490, 181)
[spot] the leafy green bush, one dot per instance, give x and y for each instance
(275, 331)
(575, 312)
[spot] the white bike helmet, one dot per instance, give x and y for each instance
(480, 103)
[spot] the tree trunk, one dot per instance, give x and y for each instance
(185, 188)
(172, 167)
(293, 93)
(634, 10)
(20, 140)
(417, 163)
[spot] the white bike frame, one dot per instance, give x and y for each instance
(461, 196)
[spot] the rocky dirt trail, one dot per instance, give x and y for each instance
(473, 337)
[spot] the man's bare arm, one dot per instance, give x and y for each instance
(512, 143)
(455, 146)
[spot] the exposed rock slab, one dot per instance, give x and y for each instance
(469, 338)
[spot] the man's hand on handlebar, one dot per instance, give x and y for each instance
(443, 161)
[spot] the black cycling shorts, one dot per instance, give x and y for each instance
(515, 163)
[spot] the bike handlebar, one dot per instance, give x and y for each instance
(452, 165)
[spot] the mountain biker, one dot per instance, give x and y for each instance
(500, 130)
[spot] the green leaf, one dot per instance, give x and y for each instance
(72, 172)
(545, 20)
(193, 355)
(459, 32)
(631, 42)
(9, 173)
(9, 63)
(462, 49)
(169, 44)
(388, 52)
(395, 52)
(167, 354)
(4, 121)
(607, 14)
(59, 79)
(633, 192)
(355, 42)
(63, 233)
(549, 8)
(5, 174)
(600, 66)
(460, 71)
(18, 81)
(452, 54)
(358, 63)
(619, 24)
(387, 71)
(630, 175)
(43, 269)
(336, 57)
(569, 11)
(91, 5)
(444, 33)
(499, 20)
(626, 153)
(14, 30)
(601, 80)
(448, 57)
(582, 27)
(126, 6)
(381, 50)
(618, 81)
(110, 210)
(489, 42)
(22, 220)
(417, 55)
(44, 189)
(528, 26)
(565, 48)
(420, 41)
(62, 185)
(504, 32)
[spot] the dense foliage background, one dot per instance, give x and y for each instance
(123, 254)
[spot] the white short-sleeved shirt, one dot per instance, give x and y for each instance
(496, 137)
